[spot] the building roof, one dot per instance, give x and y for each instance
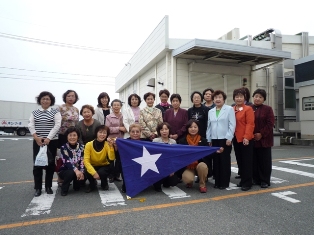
(218, 50)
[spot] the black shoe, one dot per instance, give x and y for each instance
(222, 188)
(245, 188)
(215, 186)
(89, 189)
(106, 187)
(117, 179)
(157, 189)
(254, 182)
(37, 192)
(239, 185)
(63, 193)
(264, 185)
(238, 177)
(49, 190)
(111, 180)
(76, 189)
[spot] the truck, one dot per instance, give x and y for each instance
(14, 116)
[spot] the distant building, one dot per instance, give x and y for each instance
(185, 65)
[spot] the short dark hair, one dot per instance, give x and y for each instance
(247, 93)
(262, 92)
(161, 125)
(136, 96)
(116, 100)
(100, 128)
(208, 89)
(196, 92)
(219, 92)
(64, 96)
(148, 94)
(46, 93)
(239, 91)
(102, 95)
(189, 124)
(164, 91)
(176, 96)
(87, 106)
(72, 129)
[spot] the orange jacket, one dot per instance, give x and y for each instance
(244, 123)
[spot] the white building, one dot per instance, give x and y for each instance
(185, 65)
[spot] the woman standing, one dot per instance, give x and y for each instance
(198, 167)
(163, 105)
(69, 114)
(263, 139)
(163, 131)
(243, 140)
(103, 108)
(88, 125)
(176, 117)
(131, 114)
(150, 117)
(72, 168)
(44, 124)
(114, 121)
(199, 112)
(207, 94)
(97, 157)
(220, 131)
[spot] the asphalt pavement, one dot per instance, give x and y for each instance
(287, 207)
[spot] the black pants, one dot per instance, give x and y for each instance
(62, 140)
(209, 162)
(38, 170)
(167, 182)
(222, 163)
(245, 155)
(116, 167)
(103, 172)
(68, 176)
(262, 165)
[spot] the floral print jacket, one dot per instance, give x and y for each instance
(72, 158)
(150, 118)
(70, 117)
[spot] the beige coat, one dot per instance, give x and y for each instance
(149, 121)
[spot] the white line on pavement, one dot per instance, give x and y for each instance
(298, 163)
(1, 187)
(2, 159)
(283, 195)
(42, 204)
(111, 197)
(174, 192)
(303, 173)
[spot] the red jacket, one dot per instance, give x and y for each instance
(244, 123)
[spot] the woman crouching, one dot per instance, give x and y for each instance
(72, 154)
(97, 157)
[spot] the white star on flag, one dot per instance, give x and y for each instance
(147, 161)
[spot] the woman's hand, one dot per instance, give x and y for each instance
(220, 150)
(228, 142)
(46, 141)
(210, 144)
(79, 175)
(174, 136)
(123, 129)
(257, 136)
(152, 136)
(245, 141)
(96, 176)
(39, 140)
(172, 174)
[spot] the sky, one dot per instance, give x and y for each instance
(116, 29)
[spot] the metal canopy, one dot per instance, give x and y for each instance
(198, 49)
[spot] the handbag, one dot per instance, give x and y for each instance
(42, 158)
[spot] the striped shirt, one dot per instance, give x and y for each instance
(45, 123)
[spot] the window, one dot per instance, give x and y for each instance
(308, 103)
(290, 100)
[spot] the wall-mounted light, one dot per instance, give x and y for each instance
(161, 83)
(151, 82)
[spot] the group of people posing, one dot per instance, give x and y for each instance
(88, 149)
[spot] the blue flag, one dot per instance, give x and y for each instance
(144, 163)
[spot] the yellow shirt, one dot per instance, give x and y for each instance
(93, 158)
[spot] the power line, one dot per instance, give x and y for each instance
(13, 74)
(57, 81)
(60, 44)
(43, 71)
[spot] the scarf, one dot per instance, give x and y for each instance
(193, 140)
(166, 104)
